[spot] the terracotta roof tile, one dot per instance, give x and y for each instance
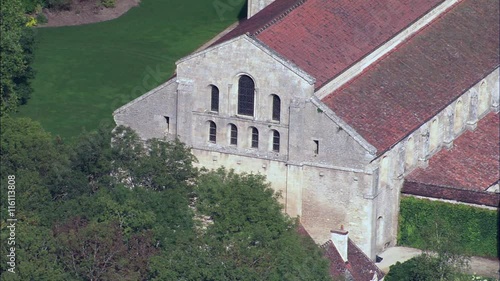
(471, 164)
(359, 266)
(337, 264)
(324, 37)
(412, 84)
(266, 16)
(449, 193)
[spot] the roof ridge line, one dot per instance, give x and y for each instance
(278, 18)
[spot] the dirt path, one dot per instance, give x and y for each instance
(84, 12)
(481, 266)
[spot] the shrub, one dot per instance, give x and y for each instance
(31, 22)
(474, 230)
(108, 3)
(41, 18)
(29, 6)
(59, 5)
(426, 268)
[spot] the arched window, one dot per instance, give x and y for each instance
(484, 99)
(276, 141)
(246, 95)
(410, 151)
(276, 108)
(212, 132)
(255, 138)
(385, 170)
(459, 117)
(214, 104)
(434, 135)
(233, 136)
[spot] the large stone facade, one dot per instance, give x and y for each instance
(327, 173)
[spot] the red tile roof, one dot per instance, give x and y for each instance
(324, 37)
(420, 78)
(449, 193)
(471, 164)
(358, 266)
(275, 10)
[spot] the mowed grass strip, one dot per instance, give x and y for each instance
(84, 73)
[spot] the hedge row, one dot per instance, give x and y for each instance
(472, 231)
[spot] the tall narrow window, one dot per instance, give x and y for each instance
(276, 141)
(434, 135)
(484, 99)
(276, 108)
(458, 122)
(255, 138)
(246, 95)
(214, 106)
(316, 147)
(212, 133)
(167, 119)
(233, 138)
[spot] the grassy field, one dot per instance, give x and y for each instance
(85, 72)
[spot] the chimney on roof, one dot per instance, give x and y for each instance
(254, 6)
(339, 239)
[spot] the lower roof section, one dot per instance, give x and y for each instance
(410, 85)
(464, 172)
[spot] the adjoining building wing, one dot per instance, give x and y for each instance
(468, 172)
(411, 85)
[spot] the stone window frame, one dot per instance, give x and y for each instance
(233, 134)
(316, 147)
(254, 137)
(246, 95)
(214, 98)
(484, 97)
(434, 134)
(275, 141)
(276, 108)
(212, 132)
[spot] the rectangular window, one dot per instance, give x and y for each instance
(167, 119)
(316, 147)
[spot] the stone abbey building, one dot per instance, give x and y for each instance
(336, 102)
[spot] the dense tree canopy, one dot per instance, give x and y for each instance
(16, 56)
(111, 207)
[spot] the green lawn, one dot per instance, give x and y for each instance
(83, 73)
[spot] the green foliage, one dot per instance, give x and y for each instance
(97, 250)
(30, 6)
(36, 257)
(122, 58)
(474, 230)
(27, 149)
(122, 209)
(249, 239)
(156, 165)
(41, 18)
(16, 53)
(108, 3)
(58, 5)
(425, 267)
